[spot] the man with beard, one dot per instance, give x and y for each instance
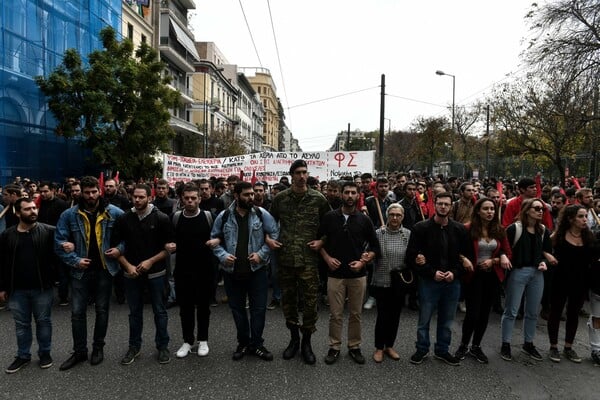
(82, 242)
(351, 244)
(74, 193)
(26, 277)
(145, 232)
(51, 205)
(557, 201)
(585, 197)
(243, 255)
(439, 251)
(111, 194)
(299, 211)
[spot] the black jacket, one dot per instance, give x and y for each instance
(426, 238)
(45, 259)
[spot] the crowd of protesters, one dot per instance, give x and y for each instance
(439, 245)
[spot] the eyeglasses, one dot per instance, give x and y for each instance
(537, 208)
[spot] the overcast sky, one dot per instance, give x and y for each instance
(328, 48)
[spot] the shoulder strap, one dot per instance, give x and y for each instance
(209, 218)
(224, 218)
(176, 217)
(518, 232)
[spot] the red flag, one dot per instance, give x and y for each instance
(430, 206)
(373, 189)
(422, 207)
(576, 183)
(153, 188)
(116, 178)
(254, 178)
(241, 175)
(500, 189)
(538, 185)
(101, 183)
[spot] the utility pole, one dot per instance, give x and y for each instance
(487, 141)
(381, 123)
(348, 138)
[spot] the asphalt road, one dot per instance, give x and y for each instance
(218, 377)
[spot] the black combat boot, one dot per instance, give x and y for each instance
(294, 345)
(307, 353)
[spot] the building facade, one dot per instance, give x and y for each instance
(35, 35)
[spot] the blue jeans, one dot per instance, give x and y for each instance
(134, 290)
(443, 297)
(23, 303)
(99, 284)
(256, 289)
(528, 281)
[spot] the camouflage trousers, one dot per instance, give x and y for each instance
(293, 282)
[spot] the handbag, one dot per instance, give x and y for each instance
(402, 278)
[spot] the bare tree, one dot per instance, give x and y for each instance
(566, 37)
(464, 120)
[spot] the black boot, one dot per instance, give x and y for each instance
(294, 345)
(307, 353)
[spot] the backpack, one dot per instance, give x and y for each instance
(208, 215)
(519, 232)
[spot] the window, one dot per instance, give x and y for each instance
(130, 31)
(143, 38)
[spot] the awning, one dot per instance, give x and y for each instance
(184, 39)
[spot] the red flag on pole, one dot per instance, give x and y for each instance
(254, 178)
(116, 178)
(241, 175)
(576, 183)
(430, 206)
(101, 183)
(153, 188)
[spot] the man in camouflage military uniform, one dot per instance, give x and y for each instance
(299, 211)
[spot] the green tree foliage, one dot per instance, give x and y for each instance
(544, 118)
(118, 105)
(224, 142)
(399, 149)
(430, 135)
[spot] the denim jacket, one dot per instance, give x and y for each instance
(228, 233)
(74, 226)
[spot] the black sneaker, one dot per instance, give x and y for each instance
(273, 304)
(448, 358)
(462, 351)
(17, 365)
(530, 350)
(418, 357)
(263, 353)
(596, 358)
(571, 355)
(45, 361)
(239, 353)
(477, 353)
(332, 356)
(357, 356)
(505, 352)
(554, 354)
(164, 357)
(130, 356)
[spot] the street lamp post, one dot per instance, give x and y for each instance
(441, 73)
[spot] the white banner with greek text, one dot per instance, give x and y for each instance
(268, 166)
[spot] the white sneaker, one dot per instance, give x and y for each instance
(184, 350)
(370, 303)
(462, 307)
(202, 349)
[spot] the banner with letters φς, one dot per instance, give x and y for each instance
(268, 166)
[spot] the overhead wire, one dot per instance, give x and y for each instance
(250, 32)
(278, 58)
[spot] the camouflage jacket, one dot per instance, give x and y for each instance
(299, 216)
